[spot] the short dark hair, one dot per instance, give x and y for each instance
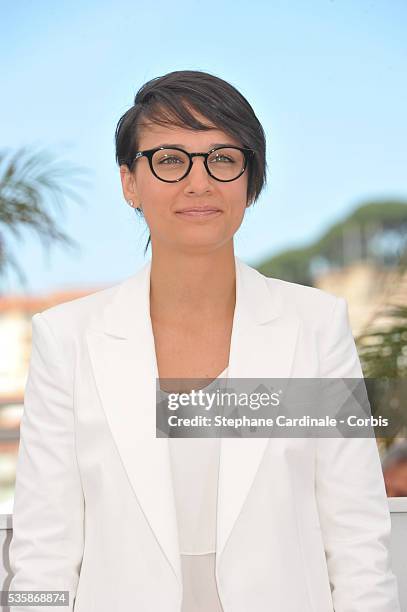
(169, 99)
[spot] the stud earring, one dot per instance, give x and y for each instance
(130, 203)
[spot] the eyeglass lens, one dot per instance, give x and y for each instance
(225, 164)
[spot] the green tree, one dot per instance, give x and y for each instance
(375, 230)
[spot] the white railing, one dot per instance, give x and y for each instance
(398, 512)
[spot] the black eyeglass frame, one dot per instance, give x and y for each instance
(247, 153)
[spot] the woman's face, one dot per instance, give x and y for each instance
(161, 202)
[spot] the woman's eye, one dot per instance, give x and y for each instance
(171, 160)
(222, 158)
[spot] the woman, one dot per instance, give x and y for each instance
(104, 508)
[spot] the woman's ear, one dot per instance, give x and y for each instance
(129, 185)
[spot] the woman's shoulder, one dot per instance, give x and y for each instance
(315, 308)
(304, 300)
(290, 293)
(304, 296)
(72, 317)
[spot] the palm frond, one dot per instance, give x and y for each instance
(31, 185)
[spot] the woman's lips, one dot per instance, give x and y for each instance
(199, 213)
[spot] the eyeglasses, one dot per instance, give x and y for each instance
(173, 164)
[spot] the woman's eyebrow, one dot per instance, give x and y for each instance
(181, 146)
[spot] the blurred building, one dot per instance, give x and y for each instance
(369, 290)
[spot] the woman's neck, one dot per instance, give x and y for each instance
(190, 290)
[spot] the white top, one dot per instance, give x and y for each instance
(195, 470)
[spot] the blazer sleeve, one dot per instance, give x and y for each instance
(47, 542)
(351, 496)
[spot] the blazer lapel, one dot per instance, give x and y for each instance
(262, 346)
(122, 351)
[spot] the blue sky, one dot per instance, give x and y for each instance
(327, 79)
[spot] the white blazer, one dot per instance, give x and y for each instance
(303, 525)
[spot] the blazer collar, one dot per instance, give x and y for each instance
(129, 311)
(122, 351)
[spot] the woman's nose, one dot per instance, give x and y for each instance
(198, 178)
